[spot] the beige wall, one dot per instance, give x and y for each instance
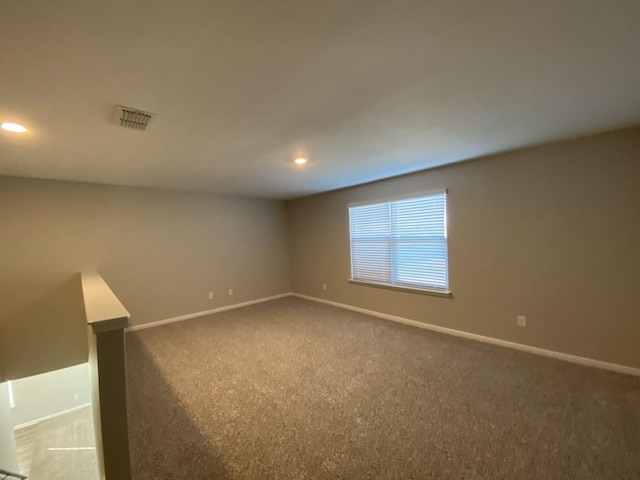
(552, 233)
(108, 365)
(8, 457)
(549, 232)
(50, 393)
(46, 332)
(161, 252)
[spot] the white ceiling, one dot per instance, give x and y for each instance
(367, 89)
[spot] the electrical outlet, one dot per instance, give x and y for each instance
(210, 295)
(76, 396)
(230, 292)
(522, 321)
(324, 286)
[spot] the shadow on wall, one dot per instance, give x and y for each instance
(48, 334)
(164, 441)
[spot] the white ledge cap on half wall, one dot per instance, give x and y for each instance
(103, 309)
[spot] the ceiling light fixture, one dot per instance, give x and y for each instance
(13, 127)
(300, 161)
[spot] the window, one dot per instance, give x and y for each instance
(401, 243)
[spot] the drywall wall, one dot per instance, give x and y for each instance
(45, 334)
(550, 232)
(8, 456)
(160, 251)
(50, 393)
(110, 393)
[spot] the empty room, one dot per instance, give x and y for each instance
(319, 240)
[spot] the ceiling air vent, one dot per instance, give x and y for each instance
(132, 118)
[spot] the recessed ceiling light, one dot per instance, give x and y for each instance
(13, 127)
(300, 161)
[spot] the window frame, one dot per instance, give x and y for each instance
(443, 292)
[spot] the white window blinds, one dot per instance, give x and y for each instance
(401, 242)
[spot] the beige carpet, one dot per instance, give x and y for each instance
(64, 448)
(293, 389)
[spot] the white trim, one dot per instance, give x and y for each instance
(189, 316)
(69, 449)
(12, 400)
(49, 417)
(401, 286)
(589, 362)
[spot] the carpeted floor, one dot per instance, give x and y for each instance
(61, 448)
(293, 389)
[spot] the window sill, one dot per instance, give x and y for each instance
(404, 288)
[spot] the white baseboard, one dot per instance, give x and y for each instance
(203, 313)
(589, 362)
(49, 417)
